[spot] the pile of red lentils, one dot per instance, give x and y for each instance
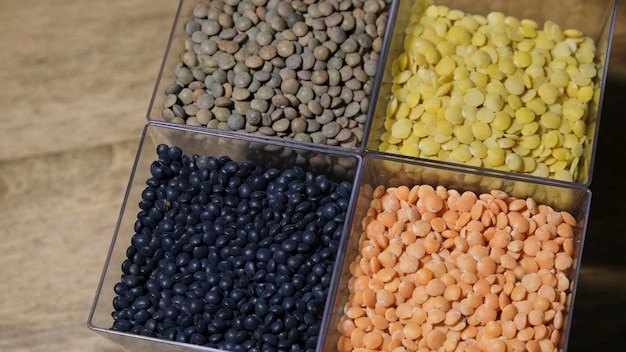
(441, 270)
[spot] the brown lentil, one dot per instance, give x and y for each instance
(264, 40)
(409, 291)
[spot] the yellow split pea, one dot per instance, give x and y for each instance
(464, 78)
(442, 270)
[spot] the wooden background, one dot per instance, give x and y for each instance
(76, 78)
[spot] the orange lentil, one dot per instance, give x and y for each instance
(509, 330)
(435, 287)
(432, 244)
(508, 312)
(532, 245)
(380, 322)
(486, 266)
(404, 311)
(354, 312)
(466, 201)
(453, 200)
(386, 274)
(491, 301)
(403, 193)
(565, 230)
(433, 202)
(413, 195)
(462, 271)
(372, 340)
(479, 251)
(369, 298)
(435, 339)
(525, 334)
(370, 251)
(551, 246)
(569, 219)
(541, 332)
(392, 286)
(469, 332)
(346, 327)
(503, 299)
(562, 261)
(388, 218)
(356, 337)
(555, 218)
(452, 317)
(452, 292)
(412, 331)
(387, 258)
(364, 323)
(555, 336)
(408, 237)
(508, 262)
(502, 221)
(517, 205)
(477, 210)
(536, 317)
(421, 228)
(562, 282)
(488, 219)
(525, 306)
(420, 295)
(405, 289)
(568, 246)
(501, 239)
(482, 286)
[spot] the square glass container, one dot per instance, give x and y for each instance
(338, 167)
(390, 172)
(305, 71)
(470, 110)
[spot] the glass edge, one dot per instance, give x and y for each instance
(586, 182)
(340, 259)
(116, 231)
(380, 71)
(111, 334)
(359, 148)
(603, 80)
(248, 138)
(576, 275)
(480, 171)
(164, 59)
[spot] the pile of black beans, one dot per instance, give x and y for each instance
(231, 255)
(300, 69)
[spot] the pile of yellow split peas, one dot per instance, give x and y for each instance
(492, 91)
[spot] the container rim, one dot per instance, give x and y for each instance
(354, 180)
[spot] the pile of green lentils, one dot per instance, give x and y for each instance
(295, 69)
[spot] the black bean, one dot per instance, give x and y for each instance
(222, 249)
(182, 259)
(173, 152)
(130, 280)
(142, 302)
(141, 317)
(212, 297)
(270, 339)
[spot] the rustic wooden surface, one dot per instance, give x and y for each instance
(76, 78)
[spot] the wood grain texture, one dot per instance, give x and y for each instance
(75, 82)
(57, 215)
(77, 74)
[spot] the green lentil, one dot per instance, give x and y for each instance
(252, 64)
